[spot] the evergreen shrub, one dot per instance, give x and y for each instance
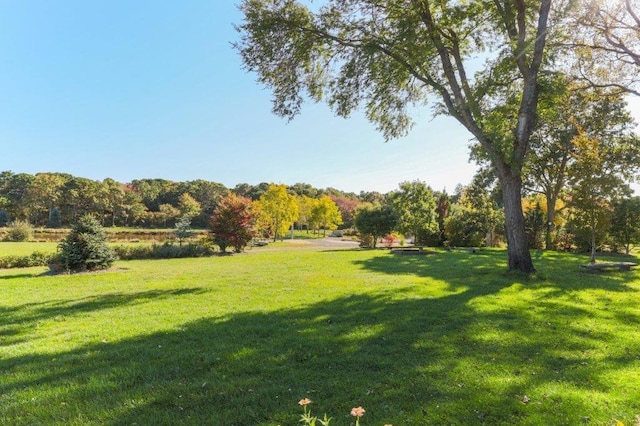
(85, 248)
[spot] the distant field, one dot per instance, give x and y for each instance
(22, 249)
(448, 338)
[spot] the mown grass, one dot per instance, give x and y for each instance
(448, 338)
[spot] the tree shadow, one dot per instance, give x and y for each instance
(440, 360)
(488, 267)
(16, 322)
(20, 275)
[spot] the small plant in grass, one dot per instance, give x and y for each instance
(85, 248)
(19, 231)
(307, 419)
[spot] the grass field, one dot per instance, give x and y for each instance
(448, 338)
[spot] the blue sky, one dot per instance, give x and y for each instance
(142, 89)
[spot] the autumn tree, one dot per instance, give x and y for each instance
(278, 209)
(305, 206)
(232, 223)
(347, 207)
(325, 214)
(389, 56)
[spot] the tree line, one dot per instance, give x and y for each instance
(59, 199)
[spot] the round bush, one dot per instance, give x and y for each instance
(19, 231)
(85, 248)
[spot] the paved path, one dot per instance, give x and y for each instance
(311, 244)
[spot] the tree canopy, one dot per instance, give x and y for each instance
(388, 56)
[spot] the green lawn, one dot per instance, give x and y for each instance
(448, 338)
(25, 249)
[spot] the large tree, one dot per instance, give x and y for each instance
(605, 43)
(390, 55)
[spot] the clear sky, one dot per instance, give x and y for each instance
(153, 89)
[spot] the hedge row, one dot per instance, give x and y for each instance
(164, 251)
(36, 258)
(154, 251)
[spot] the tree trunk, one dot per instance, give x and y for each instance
(551, 210)
(518, 253)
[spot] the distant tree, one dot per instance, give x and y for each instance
(347, 207)
(232, 223)
(81, 197)
(325, 214)
(372, 197)
(303, 189)
(207, 194)
(625, 223)
(305, 206)
(43, 194)
(113, 198)
(464, 227)
(376, 221)
(592, 188)
(443, 205)
(132, 209)
(55, 218)
(474, 220)
(154, 192)
(279, 209)
(183, 230)
(188, 205)
(85, 247)
(13, 188)
(416, 206)
(168, 213)
(250, 191)
(4, 218)
(534, 219)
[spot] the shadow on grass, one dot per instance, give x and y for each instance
(406, 360)
(14, 276)
(489, 267)
(16, 321)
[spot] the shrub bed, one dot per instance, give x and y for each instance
(164, 251)
(36, 258)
